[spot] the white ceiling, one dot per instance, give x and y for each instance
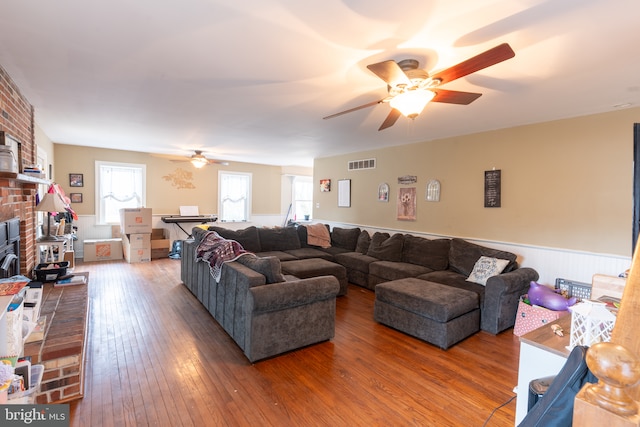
(251, 80)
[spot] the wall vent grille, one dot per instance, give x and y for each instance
(355, 165)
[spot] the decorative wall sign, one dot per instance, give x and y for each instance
(407, 179)
(181, 179)
(383, 192)
(406, 204)
(325, 185)
(433, 191)
(492, 188)
(344, 193)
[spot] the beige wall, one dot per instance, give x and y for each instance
(163, 195)
(565, 184)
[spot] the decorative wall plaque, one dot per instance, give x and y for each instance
(492, 188)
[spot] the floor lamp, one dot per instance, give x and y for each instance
(51, 202)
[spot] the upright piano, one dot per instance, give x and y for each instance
(178, 219)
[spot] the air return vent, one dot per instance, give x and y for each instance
(355, 165)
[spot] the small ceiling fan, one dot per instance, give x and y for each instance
(410, 88)
(198, 160)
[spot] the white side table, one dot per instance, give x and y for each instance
(542, 354)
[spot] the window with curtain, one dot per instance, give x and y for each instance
(118, 186)
(234, 189)
(302, 199)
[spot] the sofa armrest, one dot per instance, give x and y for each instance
(279, 296)
(501, 298)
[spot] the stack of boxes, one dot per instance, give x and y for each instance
(135, 229)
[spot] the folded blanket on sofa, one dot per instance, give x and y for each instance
(318, 235)
(216, 251)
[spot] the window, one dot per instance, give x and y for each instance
(234, 189)
(302, 197)
(118, 186)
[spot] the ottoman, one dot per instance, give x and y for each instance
(314, 267)
(439, 314)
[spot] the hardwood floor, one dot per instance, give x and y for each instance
(156, 357)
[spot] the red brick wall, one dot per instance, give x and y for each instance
(17, 198)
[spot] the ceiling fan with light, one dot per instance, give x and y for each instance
(198, 160)
(411, 89)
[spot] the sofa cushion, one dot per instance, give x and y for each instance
(451, 278)
(306, 253)
(433, 254)
(278, 239)
(345, 238)
(463, 256)
(247, 237)
(281, 255)
(385, 247)
(364, 240)
(269, 267)
(388, 270)
(486, 267)
(355, 261)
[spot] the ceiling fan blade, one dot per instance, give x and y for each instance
(391, 119)
(390, 72)
(454, 96)
(486, 59)
(370, 104)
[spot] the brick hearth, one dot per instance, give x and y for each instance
(62, 349)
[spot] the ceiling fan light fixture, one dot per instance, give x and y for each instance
(198, 160)
(412, 102)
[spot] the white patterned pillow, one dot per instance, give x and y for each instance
(486, 267)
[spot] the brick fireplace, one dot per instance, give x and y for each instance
(18, 192)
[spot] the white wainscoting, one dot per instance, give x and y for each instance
(550, 263)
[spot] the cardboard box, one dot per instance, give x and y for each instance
(71, 257)
(102, 249)
(137, 247)
(135, 220)
(160, 243)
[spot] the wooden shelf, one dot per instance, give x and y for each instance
(24, 178)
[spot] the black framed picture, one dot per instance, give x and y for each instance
(76, 180)
(76, 197)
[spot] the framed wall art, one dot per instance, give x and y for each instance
(76, 180)
(344, 193)
(76, 197)
(325, 185)
(406, 204)
(493, 188)
(383, 192)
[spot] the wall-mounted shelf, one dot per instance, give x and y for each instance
(24, 178)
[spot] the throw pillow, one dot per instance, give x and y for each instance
(345, 238)
(362, 246)
(486, 267)
(385, 247)
(269, 267)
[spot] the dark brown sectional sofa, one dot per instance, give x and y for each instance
(381, 257)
